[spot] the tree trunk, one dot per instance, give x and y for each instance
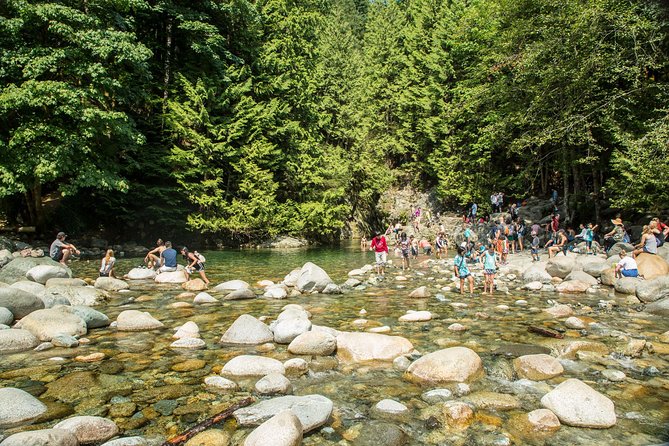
(33, 198)
(167, 63)
(596, 186)
(565, 180)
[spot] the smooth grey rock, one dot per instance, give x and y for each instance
(57, 281)
(312, 410)
(332, 288)
(313, 343)
(240, 294)
(232, 285)
(128, 441)
(391, 407)
(46, 324)
(276, 291)
(19, 302)
(141, 274)
(291, 278)
(44, 437)
(110, 284)
(15, 340)
(615, 249)
(89, 429)
(581, 276)
(204, 298)
(659, 307)
(536, 273)
(252, 365)
(63, 340)
(653, 290)
(18, 408)
(247, 330)
(627, 285)
(577, 404)
(560, 266)
(273, 383)
(188, 343)
(93, 318)
(42, 273)
(312, 278)
(133, 320)
(283, 429)
(437, 395)
(78, 295)
(30, 287)
(6, 316)
(220, 383)
(16, 270)
(285, 331)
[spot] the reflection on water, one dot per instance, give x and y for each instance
(150, 389)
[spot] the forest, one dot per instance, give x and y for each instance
(247, 119)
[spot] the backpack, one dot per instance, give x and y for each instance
(199, 256)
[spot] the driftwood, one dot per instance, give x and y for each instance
(180, 439)
(548, 332)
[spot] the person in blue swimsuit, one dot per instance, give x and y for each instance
(489, 269)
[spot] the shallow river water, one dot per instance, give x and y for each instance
(154, 391)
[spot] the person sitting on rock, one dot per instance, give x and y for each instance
(627, 266)
(616, 235)
(648, 243)
(107, 264)
(168, 259)
(61, 251)
(195, 264)
(152, 259)
(660, 230)
(559, 246)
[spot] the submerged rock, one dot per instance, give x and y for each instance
(232, 285)
(44, 437)
(577, 404)
(133, 320)
(89, 429)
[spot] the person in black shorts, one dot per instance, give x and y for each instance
(195, 264)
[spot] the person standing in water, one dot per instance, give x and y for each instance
(489, 269)
(380, 247)
(405, 247)
(462, 271)
(195, 264)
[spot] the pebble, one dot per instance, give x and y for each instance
(613, 375)
(457, 327)
(362, 312)
(521, 302)
(383, 329)
(437, 395)
(391, 407)
(220, 383)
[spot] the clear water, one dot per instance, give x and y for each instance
(137, 386)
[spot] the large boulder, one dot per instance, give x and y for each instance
(592, 265)
(313, 343)
(651, 266)
(6, 316)
(31, 287)
(19, 302)
(608, 276)
(89, 429)
(247, 330)
(659, 307)
(76, 295)
(577, 404)
(583, 277)
(58, 281)
(312, 278)
(252, 365)
(615, 249)
(110, 284)
(560, 266)
(16, 269)
(283, 429)
(18, 407)
(627, 285)
(5, 257)
(171, 277)
(312, 410)
(133, 320)
(652, 290)
(141, 274)
(537, 367)
(42, 273)
(288, 329)
(42, 437)
(46, 324)
(232, 285)
(455, 364)
(363, 347)
(536, 273)
(16, 340)
(276, 291)
(240, 294)
(291, 277)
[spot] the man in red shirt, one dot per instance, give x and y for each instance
(380, 247)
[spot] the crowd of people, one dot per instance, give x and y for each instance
(509, 234)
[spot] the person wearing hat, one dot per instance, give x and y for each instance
(627, 266)
(61, 251)
(616, 235)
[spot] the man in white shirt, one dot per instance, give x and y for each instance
(627, 266)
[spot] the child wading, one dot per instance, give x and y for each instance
(489, 269)
(462, 271)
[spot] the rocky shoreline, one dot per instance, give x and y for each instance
(42, 307)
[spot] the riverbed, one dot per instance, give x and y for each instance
(154, 391)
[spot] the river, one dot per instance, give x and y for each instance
(152, 390)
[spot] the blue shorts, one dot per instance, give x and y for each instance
(630, 272)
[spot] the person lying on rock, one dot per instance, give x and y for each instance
(61, 251)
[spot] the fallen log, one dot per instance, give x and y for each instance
(182, 438)
(543, 331)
